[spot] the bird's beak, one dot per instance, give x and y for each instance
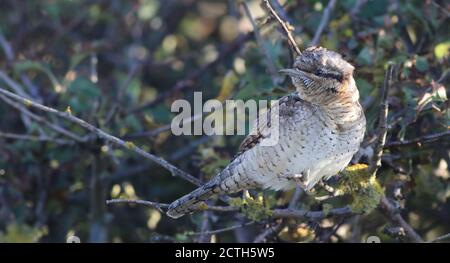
(291, 72)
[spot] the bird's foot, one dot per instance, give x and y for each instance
(300, 180)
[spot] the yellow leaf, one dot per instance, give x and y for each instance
(228, 83)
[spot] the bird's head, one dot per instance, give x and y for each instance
(322, 76)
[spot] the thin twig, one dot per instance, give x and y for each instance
(382, 122)
(323, 22)
(395, 216)
(41, 120)
(446, 236)
(311, 215)
(441, 8)
(17, 89)
(102, 134)
(162, 205)
(11, 83)
(280, 11)
(389, 210)
(420, 140)
(116, 105)
(9, 53)
(295, 197)
(151, 204)
(278, 226)
(285, 25)
(27, 137)
(270, 232)
(203, 236)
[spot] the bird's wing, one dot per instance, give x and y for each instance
(261, 129)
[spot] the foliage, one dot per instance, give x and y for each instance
(253, 208)
(363, 187)
(21, 233)
(120, 64)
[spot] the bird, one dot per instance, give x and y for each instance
(321, 127)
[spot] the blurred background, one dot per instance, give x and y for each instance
(120, 64)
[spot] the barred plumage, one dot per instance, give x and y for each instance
(321, 126)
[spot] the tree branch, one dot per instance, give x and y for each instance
(388, 209)
(311, 215)
(446, 236)
(287, 28)
(270, 232)
(420, 140)
(276, 213)
(39, 119)
(164, 206)
(382, 122)
(394, 215)
(159, 206)
(323, 22)
(9, 53)
(102, 134)
(27, 137)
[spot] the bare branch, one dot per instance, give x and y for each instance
(102, 134)
(395, 217)
(443, 237)
(39, 119)
(270, 232)
(116, 105)
(382, 122)
(278, 226)
(27, 137)
(11, 83)
(203, 236)
(388, 209)
(441, 8)
(287, 28)
(420, 140)
(151, 204)
(9, 53)
(163, 206)
(280, 11)
(323, 22)
(311, 215)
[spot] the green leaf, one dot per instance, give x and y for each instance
(20, 233)
(421, 64)
(364, 57)
(84, 93)
(25, 65)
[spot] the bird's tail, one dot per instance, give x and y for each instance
(190, 202)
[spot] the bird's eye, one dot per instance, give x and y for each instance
(319, 72)
(328, 74)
